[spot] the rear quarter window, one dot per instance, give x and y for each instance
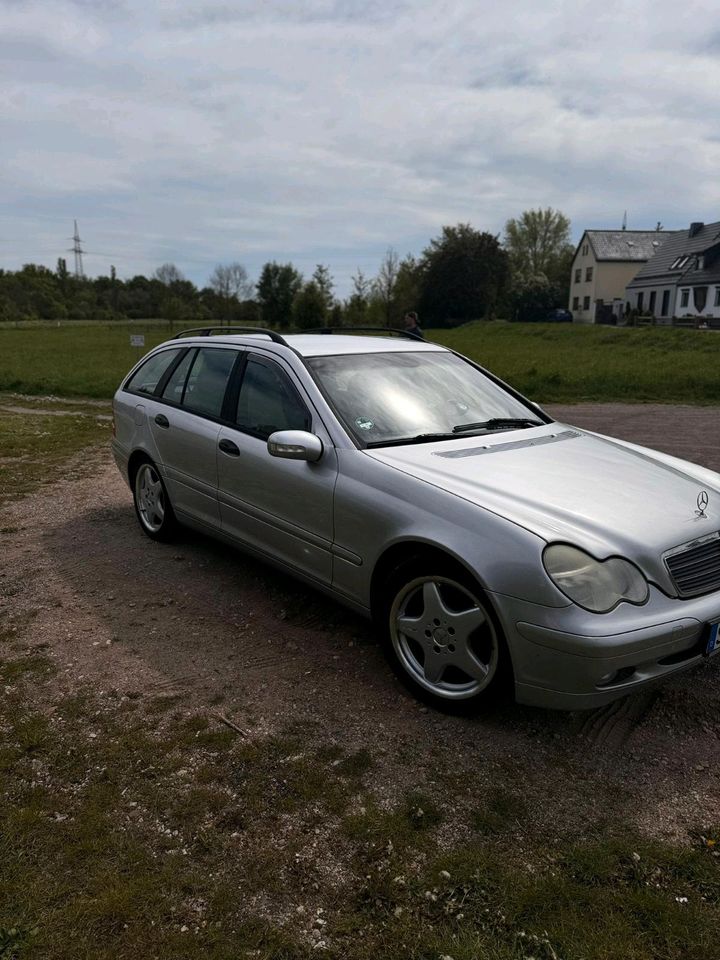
(147, 376)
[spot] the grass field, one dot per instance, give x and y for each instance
(567, 362)
(71, 361)
(547, 362)
(35, 447)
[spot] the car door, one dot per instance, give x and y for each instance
(185, 423)
(283, 508)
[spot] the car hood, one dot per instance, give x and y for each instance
(567, 484)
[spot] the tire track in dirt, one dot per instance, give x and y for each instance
(613, 725)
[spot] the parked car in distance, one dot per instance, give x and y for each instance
(558, 315)
(489, 543)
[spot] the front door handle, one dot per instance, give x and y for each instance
(162, 421)
(230, 448)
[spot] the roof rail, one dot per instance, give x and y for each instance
(386, 330)
(208, 331)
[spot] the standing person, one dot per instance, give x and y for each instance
(411, 323)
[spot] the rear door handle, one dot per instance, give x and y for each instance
(230, 448)
(162, 421)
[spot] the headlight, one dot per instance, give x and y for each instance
(597, 585)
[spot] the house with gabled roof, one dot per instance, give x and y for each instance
(605, 262)
(682, 279)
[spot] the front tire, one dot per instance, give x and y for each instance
(441, 636)
(152, 504)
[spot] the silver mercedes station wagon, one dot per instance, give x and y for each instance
(489, 543)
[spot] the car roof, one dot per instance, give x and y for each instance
(323, 345)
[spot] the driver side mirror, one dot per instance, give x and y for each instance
(295, 445)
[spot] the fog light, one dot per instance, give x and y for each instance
(617, 676)
(607, 678)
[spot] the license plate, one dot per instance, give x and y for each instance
(713, 640)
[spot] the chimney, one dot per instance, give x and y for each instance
(695, 228)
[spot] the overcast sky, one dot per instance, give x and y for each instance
(328, 130)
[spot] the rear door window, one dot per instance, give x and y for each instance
(268, 401)
(208, 380)
(175, 387)
(146, 379)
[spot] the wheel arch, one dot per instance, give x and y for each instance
(134, 460)
(407, 550)
(418, 550)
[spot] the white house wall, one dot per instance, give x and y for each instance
(631, 297)
(675, 309)
(689, 311)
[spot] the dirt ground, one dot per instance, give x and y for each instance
(198, 621)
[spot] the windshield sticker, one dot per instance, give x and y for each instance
(364, 423)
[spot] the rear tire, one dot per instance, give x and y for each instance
(152, 503)
(441, 636)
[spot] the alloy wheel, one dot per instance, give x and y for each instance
(444, 637)
(150, 497)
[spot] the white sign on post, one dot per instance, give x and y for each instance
(137, 340)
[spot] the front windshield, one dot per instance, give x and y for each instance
(404, 396)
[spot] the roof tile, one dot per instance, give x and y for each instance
(679, 244)
(634, 245)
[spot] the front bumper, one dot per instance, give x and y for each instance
(568, 659)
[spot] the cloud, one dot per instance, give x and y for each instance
(326, 131)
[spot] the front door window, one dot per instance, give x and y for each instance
(268, 401)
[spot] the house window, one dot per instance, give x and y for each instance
(640, 300)
(578, 275)
(679, 263)
(588, 274)
(586, 303)
(585, 249)
(684, 297)
(576, 301)
(665, 303)
(717, 296)
(651, 305)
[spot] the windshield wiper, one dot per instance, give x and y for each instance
(497, 423)
(420, 438)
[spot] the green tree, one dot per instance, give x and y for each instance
(61, 271)
(175, 309)
(325, 285)
(531, 298)
(384, 285)
(463, 274)
(407, 288)
(277, 288)
(356, 306)
(538, 242)
(309, 307)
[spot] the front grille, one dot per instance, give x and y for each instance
(695, 568)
